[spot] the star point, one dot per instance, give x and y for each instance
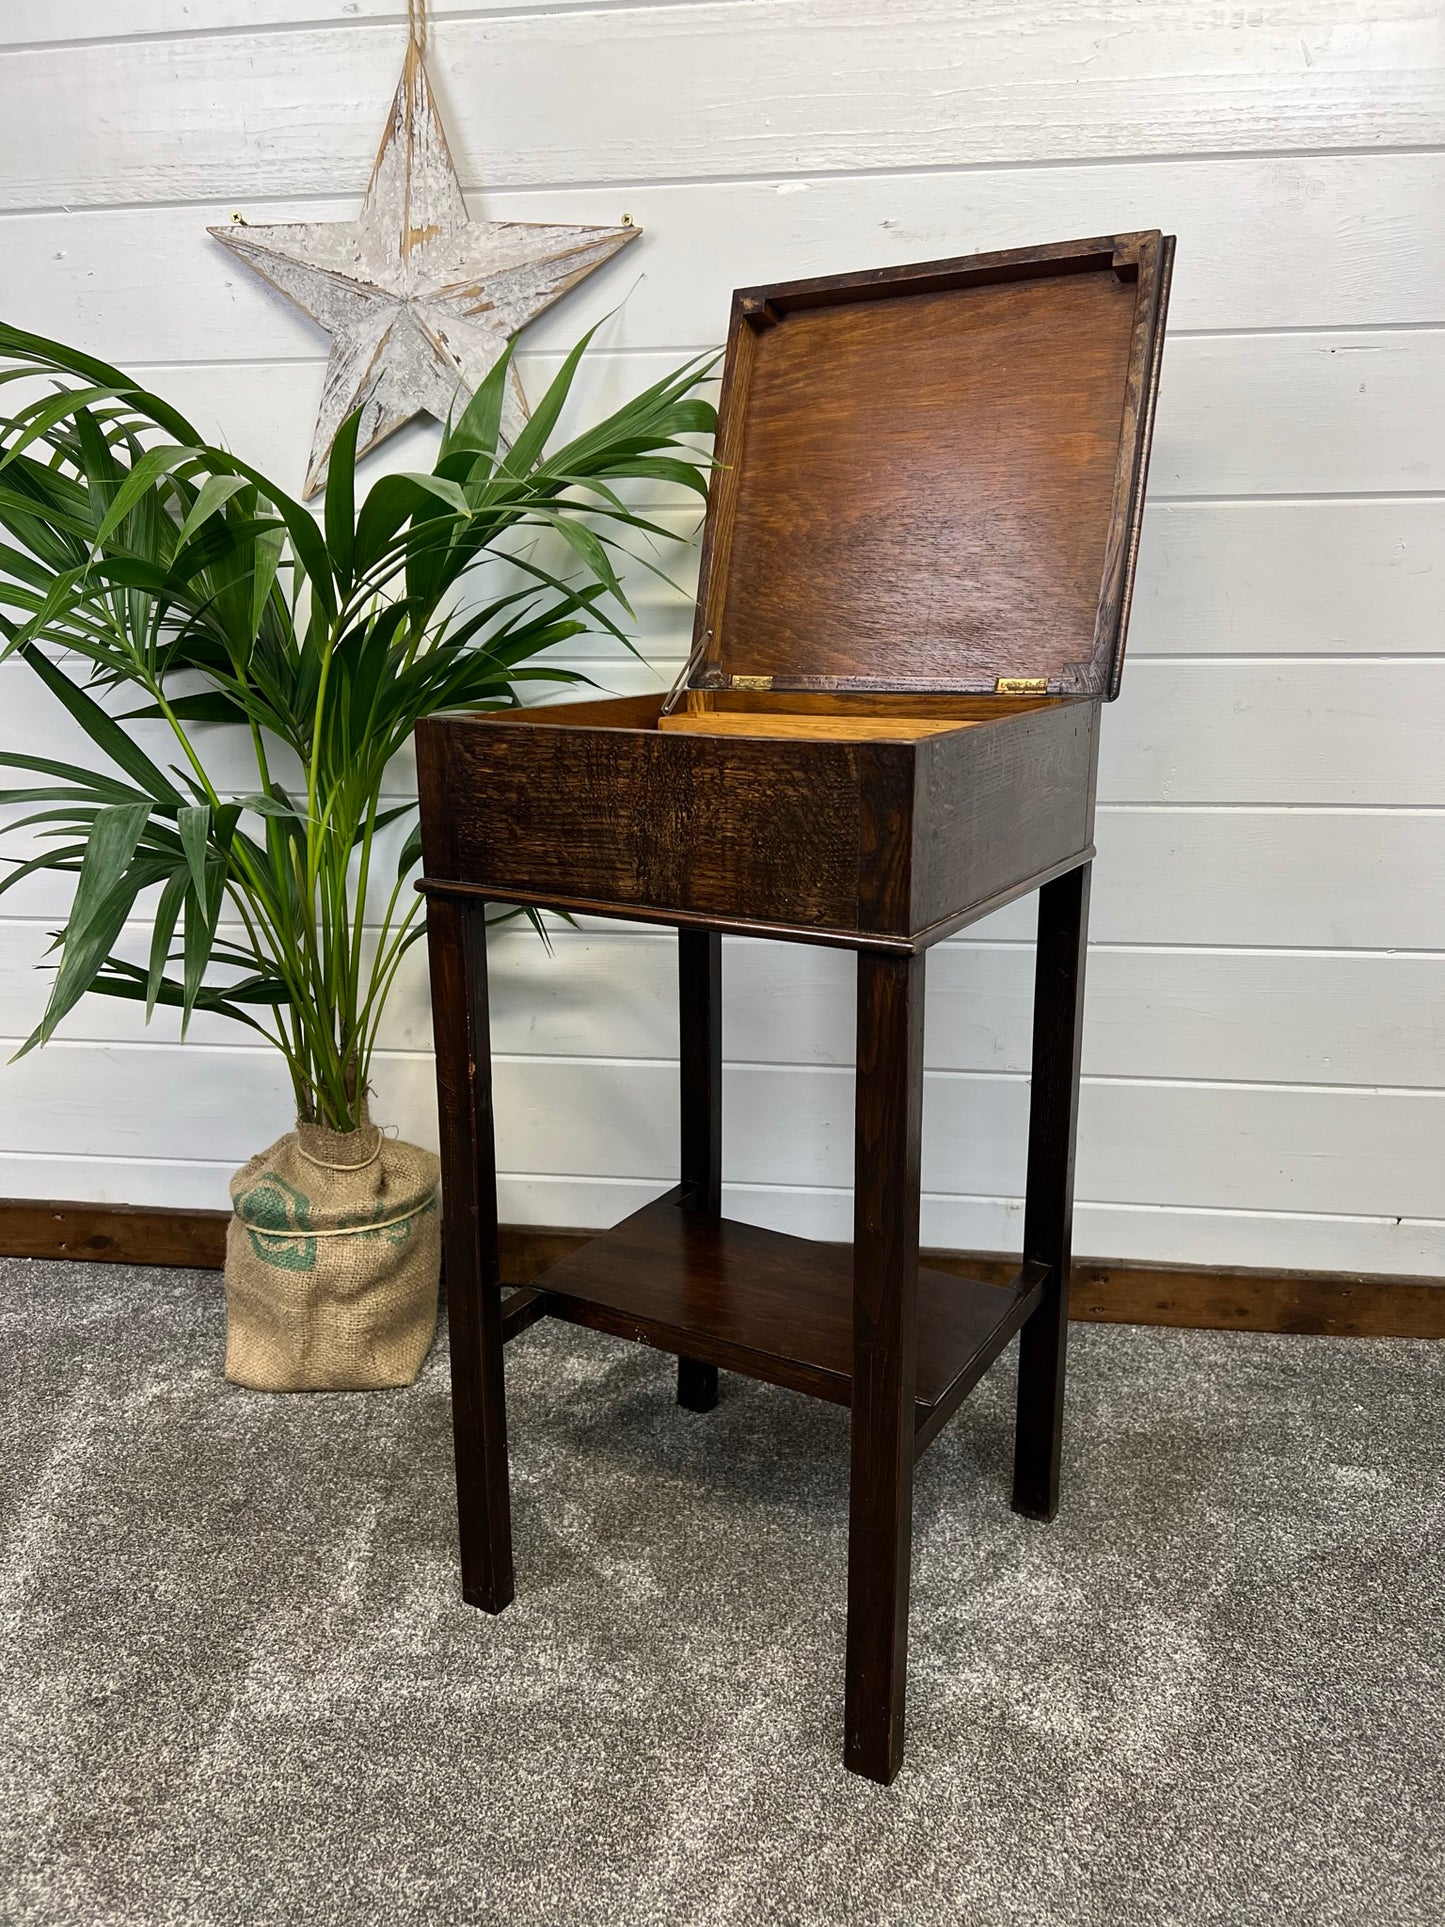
(420, 300)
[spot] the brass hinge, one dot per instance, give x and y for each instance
(1021, 686)
(750, 682)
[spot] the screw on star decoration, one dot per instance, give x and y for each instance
(419, 300)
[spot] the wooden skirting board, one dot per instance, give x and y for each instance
(1336, 1304)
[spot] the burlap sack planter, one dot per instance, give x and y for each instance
(333, 1255)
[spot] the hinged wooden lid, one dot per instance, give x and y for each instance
(931, 476)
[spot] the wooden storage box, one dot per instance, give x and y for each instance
(916, 573)
(601, 807)
(917, 562)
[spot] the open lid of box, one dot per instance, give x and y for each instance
(931, 477)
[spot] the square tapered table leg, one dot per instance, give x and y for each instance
(887, 1149)
(699, 985)
(1049, 1199)
(457, 941)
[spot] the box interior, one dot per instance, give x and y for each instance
(854, 717)
(803, 715)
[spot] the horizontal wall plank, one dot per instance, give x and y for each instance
(31, 22)
(1286, 1017)
(795, 86)
(1316, 733)
(191, 1184)
(1281, 241)
(1300, 415)
(1331, 880)
(1368, 880)
(1242, 1147)
(1289, 578)
(1149, 1233)
(1254, 1148)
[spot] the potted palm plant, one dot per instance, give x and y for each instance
(139, 561)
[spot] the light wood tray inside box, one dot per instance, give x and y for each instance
(848, 729)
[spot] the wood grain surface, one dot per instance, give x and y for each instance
(843, 729)
(928, 473)
(591, 806)
(797, 86)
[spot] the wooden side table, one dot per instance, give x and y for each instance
(824, 788)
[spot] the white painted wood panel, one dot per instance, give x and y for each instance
(1282, 732)
(1270, 894)
(1311, 879)
(1340, 240)
(1301, 1148)
(183, 1184)
(1282, 578)
(1253, 1147)
(1300, 415)
(1358, 1018)
(1317, 879)
(35, 22)
(1152, 1234)
(793, 86)
(1289, 1017)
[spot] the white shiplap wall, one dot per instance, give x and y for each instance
(1265, 1051)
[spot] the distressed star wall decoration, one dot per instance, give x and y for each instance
(420, 301)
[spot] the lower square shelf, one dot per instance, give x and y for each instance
(773, 1306)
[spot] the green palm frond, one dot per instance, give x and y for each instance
(139, 561)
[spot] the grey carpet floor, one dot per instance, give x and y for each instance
(237, 1684)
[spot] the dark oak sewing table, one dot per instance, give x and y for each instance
(917, 562)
